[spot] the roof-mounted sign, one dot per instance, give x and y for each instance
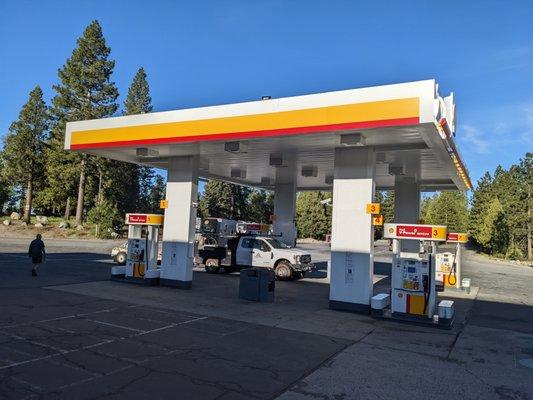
(454, 237)
(415, 232)
(144, 219)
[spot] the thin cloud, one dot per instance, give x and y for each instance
(472, 136)
(527, 136)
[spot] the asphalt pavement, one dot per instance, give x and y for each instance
(71, 333)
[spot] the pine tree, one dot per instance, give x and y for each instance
(424, 208)
(85, 92)
(492, 234)
(24, 147)
(513, 189)
(5, 187)
(500, 216)
(447, 208)
(313, 219)
(481, 197)
(127, 185)
(239, 202)
(146, 183)
(260, 206)
(525, 171)
(224, 200)
(387, 206)
(139, 101)
(157, 193)
(216, 200)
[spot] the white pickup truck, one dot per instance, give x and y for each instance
(256, 251)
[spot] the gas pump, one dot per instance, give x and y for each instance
(448, 265)
(143, 238)
(413, 293)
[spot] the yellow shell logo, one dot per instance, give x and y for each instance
(391, 230)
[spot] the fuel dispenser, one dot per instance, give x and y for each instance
(143, 242)
(413, 293)
(448, 265)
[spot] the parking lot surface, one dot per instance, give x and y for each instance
(71, 333)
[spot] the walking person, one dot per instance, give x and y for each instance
(37, 253)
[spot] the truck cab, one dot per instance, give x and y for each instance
(261, 252)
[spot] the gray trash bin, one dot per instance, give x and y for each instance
(257, 284)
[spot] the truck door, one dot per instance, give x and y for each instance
(245, 250)
(261, 256)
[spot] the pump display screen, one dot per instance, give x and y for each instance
(411, 270)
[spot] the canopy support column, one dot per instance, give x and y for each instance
(352, 240)
(407, 208)
(180, 221)
(285, 204)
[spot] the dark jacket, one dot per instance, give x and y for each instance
(36, 248)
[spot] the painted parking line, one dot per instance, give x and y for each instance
(92, 378)
(35, 388)
(54, 355)
(92, 346)
(47, 346)
(116, 371)
(113, 325)
(80, 315)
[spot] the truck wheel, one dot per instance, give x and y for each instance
(211, 266)
(283, 271)
(120, 258)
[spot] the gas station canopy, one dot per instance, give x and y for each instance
(409, 125)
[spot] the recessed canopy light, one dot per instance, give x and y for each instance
(146, 152)
(309, 171)
(353, 139)
(266, 181)
(396, 170)
(238, 173)
(236, 147)
(276, 160)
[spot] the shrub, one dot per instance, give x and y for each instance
(107, 217)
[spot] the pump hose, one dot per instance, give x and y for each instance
(137, 270)
(453, 271)
(426, 299)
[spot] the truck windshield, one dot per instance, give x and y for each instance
(277, 244)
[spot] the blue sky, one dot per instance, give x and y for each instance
(200, 53)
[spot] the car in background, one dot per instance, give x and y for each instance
(119, 254)
(258, 251)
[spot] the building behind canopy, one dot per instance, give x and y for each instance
(397, 137)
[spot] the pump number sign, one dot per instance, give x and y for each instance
(377, 220)
(415, 231)
(373, 208)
